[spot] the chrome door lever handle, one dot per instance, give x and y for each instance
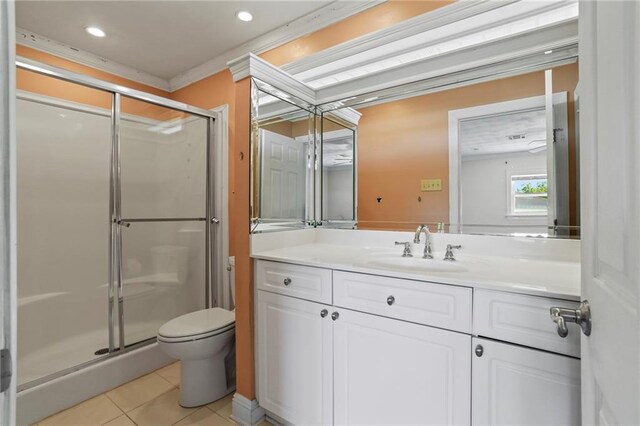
(563, 331)
(580, 316)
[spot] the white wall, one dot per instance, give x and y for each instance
(484, 189)
(63, 231)
(337, 193)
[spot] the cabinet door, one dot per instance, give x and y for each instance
(394, 372)
(295, 359)
(513, 385)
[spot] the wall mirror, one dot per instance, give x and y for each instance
(496, 155)
(338, 177)
(283, 166)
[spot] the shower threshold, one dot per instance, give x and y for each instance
(105, 351)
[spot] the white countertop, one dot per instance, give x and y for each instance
(514, 273)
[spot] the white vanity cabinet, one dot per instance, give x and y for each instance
(347, 348)
(535, 384)
(392, 372)
(295, 359)
(514, 385)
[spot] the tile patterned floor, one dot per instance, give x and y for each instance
(150, 400)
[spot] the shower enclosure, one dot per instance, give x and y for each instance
(115, 218)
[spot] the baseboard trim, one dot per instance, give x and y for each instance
(245, 411)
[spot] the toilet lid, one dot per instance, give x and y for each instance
(199, 322)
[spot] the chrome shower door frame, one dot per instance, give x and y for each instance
(115, 274)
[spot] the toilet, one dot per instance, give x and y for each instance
(204, 343)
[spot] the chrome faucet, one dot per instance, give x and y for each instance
(428, 252)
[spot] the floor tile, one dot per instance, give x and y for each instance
(95, 411)
(123, 420)
(161, 411)
(139, 391)
(222, 406)
(171, 373)
(204, 417)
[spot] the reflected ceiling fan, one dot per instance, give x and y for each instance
(537, 145)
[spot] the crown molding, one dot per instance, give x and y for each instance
(252, 65)
(314, 21)
(439, 17)
(349, 115)
(47, 45)
(334, 12)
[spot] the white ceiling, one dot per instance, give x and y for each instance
(490, 135)
(161, 38)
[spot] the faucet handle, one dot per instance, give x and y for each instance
(449, 253)
(407, 248)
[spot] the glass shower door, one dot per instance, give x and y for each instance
(162, 216)
(63, 134)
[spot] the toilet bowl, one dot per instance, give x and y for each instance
(202, 341)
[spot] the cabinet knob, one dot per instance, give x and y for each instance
(334, 316)
(391, 300)
(287, 281)
(324, 313)
(479, 351)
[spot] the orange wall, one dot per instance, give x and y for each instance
(220, 89)
(402, 142)
(239, 211)
(44, 85)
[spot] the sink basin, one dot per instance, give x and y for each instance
(415, 264)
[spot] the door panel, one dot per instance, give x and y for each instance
(63, 182)
(163, 267)
(283, 177)
(161, 207)
(609, 132)
(394, 372)
(513, 385)
(295, 359)
(163, 156)
(7, 215)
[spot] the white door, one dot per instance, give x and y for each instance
(398, 373)
(282, 194)
(513, 385)
(295, 359)
(7, 215)
(610, 191)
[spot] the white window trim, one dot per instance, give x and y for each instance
(511, 214)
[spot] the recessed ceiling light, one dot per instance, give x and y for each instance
(244, 16)
(95, 31)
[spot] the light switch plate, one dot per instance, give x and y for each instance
(430, 185)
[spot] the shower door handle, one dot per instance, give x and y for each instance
(120, 282)
(6, 369)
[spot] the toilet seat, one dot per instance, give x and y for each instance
(197, 325)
